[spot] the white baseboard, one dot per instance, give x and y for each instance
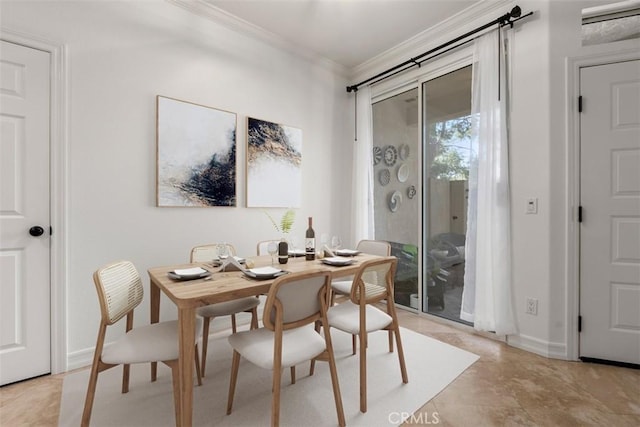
(553, 350)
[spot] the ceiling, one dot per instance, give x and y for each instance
(348, 32)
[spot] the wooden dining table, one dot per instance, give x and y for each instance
(219, 287)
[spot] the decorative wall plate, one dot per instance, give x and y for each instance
(404, 151)
(403, 172)
(384, 176)
(390, 155)
(411, 191)
(395, 200)
(377, 155)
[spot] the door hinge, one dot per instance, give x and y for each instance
(579, 323)
(579, 213)
(580, 104)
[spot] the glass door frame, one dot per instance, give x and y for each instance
(415, 79)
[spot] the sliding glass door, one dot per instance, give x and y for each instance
(421, 141)
(447, 146)
(397, 210)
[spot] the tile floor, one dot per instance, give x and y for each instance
(505, 387)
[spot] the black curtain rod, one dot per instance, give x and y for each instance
(506, 19)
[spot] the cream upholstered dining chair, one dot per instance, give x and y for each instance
(358, 316)
(294, 303)
(373, 247)
(120, 291)
(207, 253)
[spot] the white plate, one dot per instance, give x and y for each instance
(189, 273)
(218, 261)
(339, 261)
(403, 173)
(347, 252)
(264, 272)
(297, 252)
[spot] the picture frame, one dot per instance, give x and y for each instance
(196, 155)
(274, 165)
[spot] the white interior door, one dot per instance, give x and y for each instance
(610, 198)
(25, 321)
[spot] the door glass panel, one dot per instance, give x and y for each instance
(447, 134)
(396, 187)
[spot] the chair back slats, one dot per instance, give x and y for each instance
(375, 279)
(207, 253)
(374, 247)
(119, 290)
(298, 296)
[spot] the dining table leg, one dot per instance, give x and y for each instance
(154, 294)
(187, 339)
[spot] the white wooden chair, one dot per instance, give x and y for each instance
(373, 247)
(207, 253)
(294, 303)
(120, 291)
(371, 284)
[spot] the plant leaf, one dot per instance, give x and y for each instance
(287, 221)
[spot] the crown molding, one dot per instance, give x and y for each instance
(458, 24)
(208, 11)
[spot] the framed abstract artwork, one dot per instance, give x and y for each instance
(196, 155)
(274, 165)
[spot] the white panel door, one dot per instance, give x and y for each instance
(25, 321)
(610, 198)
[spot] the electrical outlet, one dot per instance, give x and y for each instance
(532, 306)
(532, 206)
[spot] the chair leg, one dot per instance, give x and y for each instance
(403, 366)
(312, 364)
(390, 341)
(198, 371)
(334, 382)
(175, 376)
(233, 323)
(363, 373)
(205, 344)
(391, 310)
(353, 345)
(275, 401)
(293, 375)
(254, 318)
(125, 378)
(91, 394)
(235, 364)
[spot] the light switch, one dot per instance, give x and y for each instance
(532, 205)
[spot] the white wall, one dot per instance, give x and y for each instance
(120, 56)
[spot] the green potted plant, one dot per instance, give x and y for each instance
(286, 222)
(284, 227)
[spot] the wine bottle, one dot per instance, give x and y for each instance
(310, 243)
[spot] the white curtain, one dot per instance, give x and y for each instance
(487, 296)
(362, 179)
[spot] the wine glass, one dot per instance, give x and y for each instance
(336, 242)
(294, 243)
(223, 251)
(272, 248)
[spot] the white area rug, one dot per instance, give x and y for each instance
(431, 366)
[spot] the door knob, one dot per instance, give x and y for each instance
(36, 231)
